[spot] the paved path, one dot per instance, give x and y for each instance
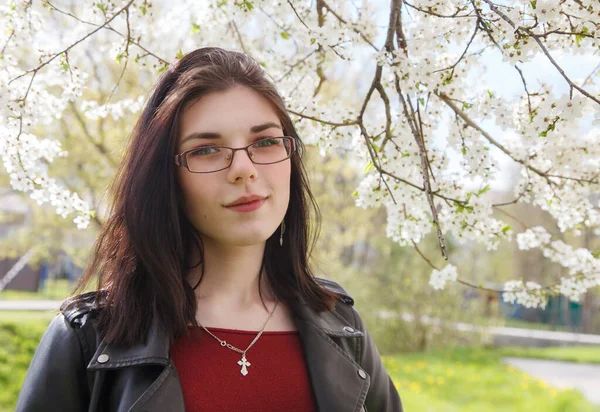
(564, 375)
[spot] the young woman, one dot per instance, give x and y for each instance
(206, 300)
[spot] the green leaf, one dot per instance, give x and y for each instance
(459, 208)
(64, 66)
(285, 35)
(406, 154)
(195, 28)
(506, 228)
(464, 150)
(144, 10)
(162, 68)
(466, 105)
(486, 189)
(245, 5)
(533, 4)
(179, 54)
(596, 254)
(490, 93)
(422, 101)
(119, 57)
(355, 193)
(368, 167)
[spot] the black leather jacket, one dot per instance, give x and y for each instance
(66, 374)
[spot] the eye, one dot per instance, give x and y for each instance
(205, 150)
(266, 141)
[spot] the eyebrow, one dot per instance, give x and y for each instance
(213, 135)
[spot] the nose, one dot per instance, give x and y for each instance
(241, 167)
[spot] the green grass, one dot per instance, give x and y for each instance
(17, 316)
(581, 354)
(18, 341)
(474, 380)
(56, 289)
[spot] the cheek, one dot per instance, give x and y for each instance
(195, 194)
(282, 178)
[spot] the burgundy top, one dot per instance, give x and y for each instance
(211, 380)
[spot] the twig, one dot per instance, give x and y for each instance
(526, 91)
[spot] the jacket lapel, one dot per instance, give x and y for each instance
(152, 392)
(326, 341)
(335, 376)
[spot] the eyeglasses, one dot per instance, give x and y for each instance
(209, 159)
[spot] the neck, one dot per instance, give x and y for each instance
(231, 276)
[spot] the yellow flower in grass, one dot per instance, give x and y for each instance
(430, 380)
(449, 372)
(524, 385)
(415, 387)
(440, 380)
(552, 392)
(420, 364)
(543, 384)
(407, 368)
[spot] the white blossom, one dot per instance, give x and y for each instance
(439, 278)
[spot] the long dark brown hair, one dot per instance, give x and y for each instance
(139, 257)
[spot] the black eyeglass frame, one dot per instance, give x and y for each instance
(181, 158)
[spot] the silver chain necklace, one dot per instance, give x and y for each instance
(243, 362)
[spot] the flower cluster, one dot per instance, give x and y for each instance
(530, 294)
(439, 278)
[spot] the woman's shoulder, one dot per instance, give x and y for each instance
(337, 288)
(79, 307)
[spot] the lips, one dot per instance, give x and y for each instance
(245, 200)
(248, 207)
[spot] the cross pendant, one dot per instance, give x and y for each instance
(243, 363)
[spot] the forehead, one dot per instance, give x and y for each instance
(230, 112)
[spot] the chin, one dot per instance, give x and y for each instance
(249, 237)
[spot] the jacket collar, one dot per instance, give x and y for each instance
(334, 374)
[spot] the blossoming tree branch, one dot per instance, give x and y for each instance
(425, 99)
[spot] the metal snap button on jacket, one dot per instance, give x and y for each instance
(348, 329)
(362, 374)
(103, 358)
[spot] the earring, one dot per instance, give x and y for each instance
(281, 235)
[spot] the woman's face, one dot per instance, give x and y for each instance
(230, 115)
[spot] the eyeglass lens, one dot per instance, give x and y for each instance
(263, 151)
